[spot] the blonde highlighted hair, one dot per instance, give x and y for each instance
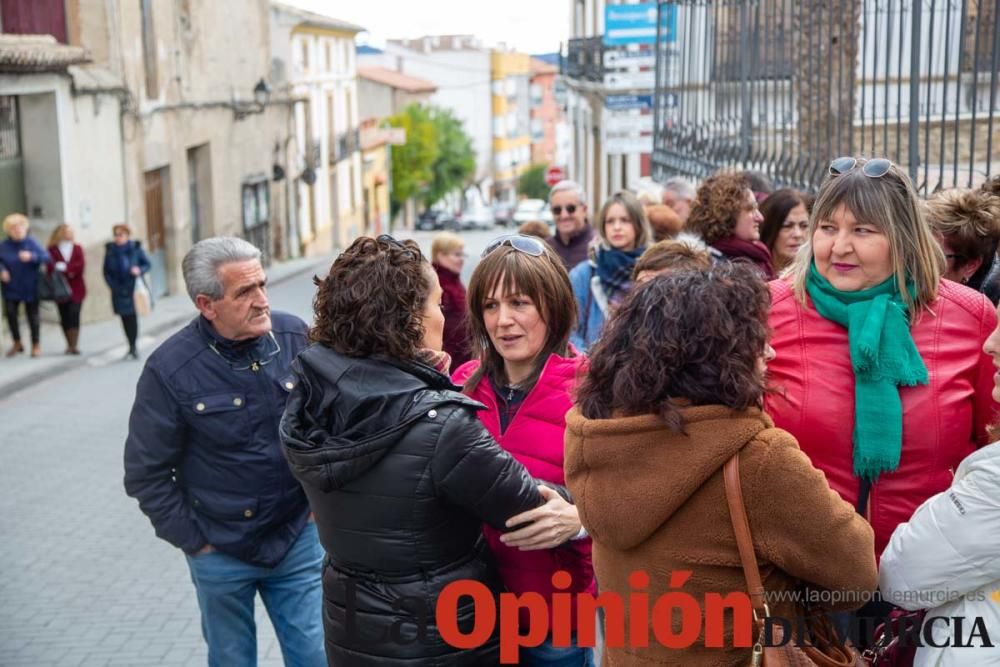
(445, 242)
(14, 219)
(58, 233)
(891, 205)
(970, 221)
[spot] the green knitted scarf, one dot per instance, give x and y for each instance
(883, 356)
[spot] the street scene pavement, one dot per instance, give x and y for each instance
(86, 581)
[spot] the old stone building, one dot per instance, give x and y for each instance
(138, 112)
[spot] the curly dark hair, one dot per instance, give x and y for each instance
(685, 336)
(372, 301)
(717, 204)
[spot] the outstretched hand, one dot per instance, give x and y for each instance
(549, 525)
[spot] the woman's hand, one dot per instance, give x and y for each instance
(26, 256)
(134, 271)
(4, 277)
(550, 525)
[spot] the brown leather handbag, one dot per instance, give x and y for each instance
(827, 650)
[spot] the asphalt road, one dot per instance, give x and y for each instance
(84, 579)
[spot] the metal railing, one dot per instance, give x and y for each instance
(343, 145)
(10, 142)
(584, 59)
(783, 86)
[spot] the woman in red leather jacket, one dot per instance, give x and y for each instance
(879, 373)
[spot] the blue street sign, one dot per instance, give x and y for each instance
(636, 24)
(619, 102)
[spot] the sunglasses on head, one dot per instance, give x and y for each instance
(526, 244)
(385, 238)
(570, 208)
(876, 168)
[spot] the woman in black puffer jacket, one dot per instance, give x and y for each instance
(399, 471)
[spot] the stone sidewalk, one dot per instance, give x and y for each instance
(86, 582)
(101, 342)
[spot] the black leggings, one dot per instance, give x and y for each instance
(131, 326)
(69, 315)
(31, 307)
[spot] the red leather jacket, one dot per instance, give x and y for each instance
(943, 422)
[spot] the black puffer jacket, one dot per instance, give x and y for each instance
(401, 476)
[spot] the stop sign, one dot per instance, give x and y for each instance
(553, 175)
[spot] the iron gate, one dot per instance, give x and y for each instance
(783, 86)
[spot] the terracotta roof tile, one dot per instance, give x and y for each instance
(38, 53)
(394, 79)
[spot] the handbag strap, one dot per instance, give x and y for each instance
(741, 527)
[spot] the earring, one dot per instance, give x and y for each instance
(965, 280)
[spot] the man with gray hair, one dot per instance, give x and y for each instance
(568, 203)
(204, 460)
(679, 194)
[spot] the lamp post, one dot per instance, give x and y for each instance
(261, 93)
(261, 96)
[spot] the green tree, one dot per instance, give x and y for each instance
(456, 160)
(531, 183)
(412, 163)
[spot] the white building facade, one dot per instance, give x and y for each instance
(314, 61)
(461, 69)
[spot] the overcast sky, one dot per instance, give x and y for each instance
(534, 26)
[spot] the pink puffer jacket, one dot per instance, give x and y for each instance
(535, 437)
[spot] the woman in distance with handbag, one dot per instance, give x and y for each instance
(124, 263)
(66, 258)
(20, 258)
(673, 392)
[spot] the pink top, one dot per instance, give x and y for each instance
(535, 437)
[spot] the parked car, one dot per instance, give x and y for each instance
(475, 218)
(532, 209)
(431, 220)
(503, 213)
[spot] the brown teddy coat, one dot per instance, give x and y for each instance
(654, 500)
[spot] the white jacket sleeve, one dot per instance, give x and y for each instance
(951, 544)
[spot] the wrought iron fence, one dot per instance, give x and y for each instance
(783, 86)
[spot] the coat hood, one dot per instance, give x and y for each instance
(346, 413)
(629, 475)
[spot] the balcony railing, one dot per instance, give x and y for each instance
(344, 144)
(584, 59)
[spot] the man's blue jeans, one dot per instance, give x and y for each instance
(292, 594)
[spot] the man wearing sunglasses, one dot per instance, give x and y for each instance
(573, 233)
(204, 459)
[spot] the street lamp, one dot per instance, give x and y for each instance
(261, 95)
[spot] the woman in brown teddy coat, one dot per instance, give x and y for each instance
(673, 392)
